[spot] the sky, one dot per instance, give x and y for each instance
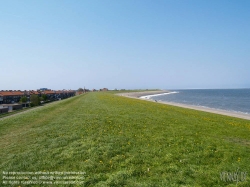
(125, 44)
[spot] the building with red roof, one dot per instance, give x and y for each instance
(10, 96)
(14, 96)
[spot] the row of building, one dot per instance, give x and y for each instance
(14, 96)
(10, 99)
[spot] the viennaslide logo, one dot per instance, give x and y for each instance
(233, 176)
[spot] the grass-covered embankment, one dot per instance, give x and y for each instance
(119, 141)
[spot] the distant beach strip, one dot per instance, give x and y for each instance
(147, 95)
(144, 94)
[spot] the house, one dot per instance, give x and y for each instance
(104, 89)
(79, 92)
(70, 93)
(10, 96)
(60, 94)
(1, 98)
(31, 92)
(27, 94)
(14, 96)
(50, 94)
(53, 95)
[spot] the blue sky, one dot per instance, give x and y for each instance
(166, 44)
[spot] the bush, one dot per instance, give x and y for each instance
(45, 97)
(23, 99)
(35, 100)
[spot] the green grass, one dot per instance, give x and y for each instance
(119, 141)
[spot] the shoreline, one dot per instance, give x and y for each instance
(149, 96)
(144, 95)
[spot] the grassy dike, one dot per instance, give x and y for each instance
(120, 141)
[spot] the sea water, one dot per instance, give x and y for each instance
(236, 100)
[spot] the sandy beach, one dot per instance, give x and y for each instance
(140, 94)
(137, 95)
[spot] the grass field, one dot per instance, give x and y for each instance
(119, 141)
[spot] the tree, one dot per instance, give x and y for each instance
(45, 97)
(23, 99)
(80, 90)
(34, 99)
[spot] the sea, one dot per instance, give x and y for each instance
(233, 100)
